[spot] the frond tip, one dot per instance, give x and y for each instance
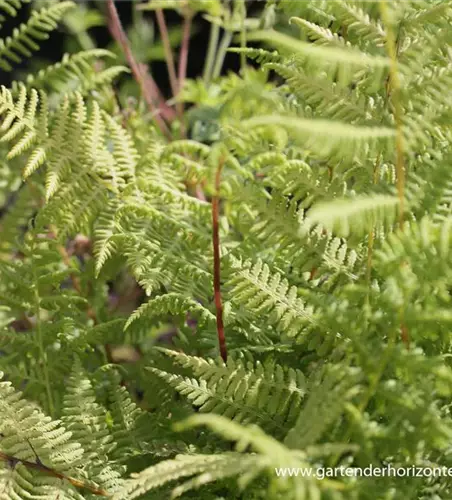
(327, 138)
(344, 60)
(355, 216)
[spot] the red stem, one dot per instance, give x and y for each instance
(168, 51)
(13, 461)
(183, 58)
(149, 88)
(405, 336)
(216, 263)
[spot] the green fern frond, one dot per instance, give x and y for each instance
(18, 121)
(360, 26)
(207, 468)
(261, 56)
(25, 38)
(10, 8)
(265, 392)
(318, 34)
(87, 421)
(172, 303)
(342, 138)
(329, 392)
(327, 98)
(357, 216)
(131, 427)
(430, 12)
(105, 229)
(90, 425)
(265, 293)
(183, 466)
(73, 72)
(23, 424)
(345, 61)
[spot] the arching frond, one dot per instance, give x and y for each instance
(25, 39)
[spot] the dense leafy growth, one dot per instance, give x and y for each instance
(329, 158)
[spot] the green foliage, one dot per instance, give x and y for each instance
(335, 264)
(24, 39)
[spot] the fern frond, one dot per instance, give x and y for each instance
(345, 61)
(318, 34)
(24, 40)
(218, 465)
(207, 468)
(360, 27)
(171, 303)
(105, 229)
(265, 392)
(87, 422)
(24, 423)
(73, 72)
(9, 8)
(261, 56)
(357, 216)
(327, 98)
(265, 293)
(342, 138)
(131, 427)
(89, 426)
(328, 395)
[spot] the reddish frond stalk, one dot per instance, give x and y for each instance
(168, 51)
(183, 57)
(148, 87)
(39, 466)
(216, 262)
(405, 335)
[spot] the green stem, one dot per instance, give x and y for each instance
(85, 41)
(42, 351)
(394, 91)
(243, 40)
(211, 51)
(224, 45)
(371, 236)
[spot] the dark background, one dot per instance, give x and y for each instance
(53, 49)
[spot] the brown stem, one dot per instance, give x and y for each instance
(393, 92)
(39, 466)
(405, 335)
(168, 51)
(183, 58)
(216, 262)
(148, 87)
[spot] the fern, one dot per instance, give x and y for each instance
(293, 217)
(24, 39)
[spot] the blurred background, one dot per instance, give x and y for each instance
(87, 29)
